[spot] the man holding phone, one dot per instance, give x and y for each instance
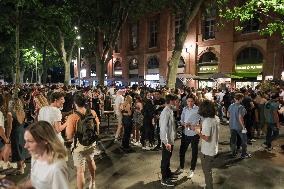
(189, 118)
(167, 135)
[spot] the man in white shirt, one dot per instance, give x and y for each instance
(52, 113)
(119, 99)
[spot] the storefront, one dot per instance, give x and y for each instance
(152, 75)
(249, 67)
(204, 72)
(250, 75)
(207, 65)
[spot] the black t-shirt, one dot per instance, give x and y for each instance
(158, 105)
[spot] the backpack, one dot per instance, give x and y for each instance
(86, 129)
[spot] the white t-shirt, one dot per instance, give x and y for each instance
(119, 99)
(210, 127)
(2, 120)
(51, 115)
(49, 176)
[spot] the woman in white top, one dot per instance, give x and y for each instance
(48, 167)
(209, 133)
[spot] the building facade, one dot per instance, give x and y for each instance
(145, 47)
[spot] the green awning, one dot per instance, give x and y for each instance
(247, 74)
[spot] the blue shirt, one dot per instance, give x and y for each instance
(191, 116)
(235, 111)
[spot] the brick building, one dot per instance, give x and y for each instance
(145, 47)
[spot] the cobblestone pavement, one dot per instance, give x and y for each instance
(141, 169)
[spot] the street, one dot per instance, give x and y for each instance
(141, 169)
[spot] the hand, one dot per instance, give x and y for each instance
(169, 147)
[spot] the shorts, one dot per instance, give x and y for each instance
(119, 118)
(83, 153)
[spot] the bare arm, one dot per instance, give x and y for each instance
(9, 125)
(70, 128)
(59, 127)
(276, 118)
(97, 121)
(241, 119)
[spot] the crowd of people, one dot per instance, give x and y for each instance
(42, 120)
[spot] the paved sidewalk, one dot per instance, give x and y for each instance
(141, 169)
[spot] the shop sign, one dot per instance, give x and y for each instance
(249, 68)
(208, 69)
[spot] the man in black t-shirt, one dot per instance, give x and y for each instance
(96, 103)
(159, 104)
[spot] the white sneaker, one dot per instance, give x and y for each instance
(190, 174)
(203, 185)
(179, 171)
(92, 185)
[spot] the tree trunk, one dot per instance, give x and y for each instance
(22, 72)
(190, 12)
(67, 76)
(17, 33)
(32, 77)
(102, 73)
(44, 65)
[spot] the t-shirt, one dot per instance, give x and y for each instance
(269, 108)
(118, 100)
(51, 115)
(49, 176)
(235, 110)
(210, 127)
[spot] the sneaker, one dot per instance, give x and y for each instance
(157, 148)
(148, 148)
(268, 148)
(92, 185)
(116, 141)
(253, 140)
(203, 185)
(167, 182)
(245, 156)
(190, 174)
(19, 172)
(178, 171)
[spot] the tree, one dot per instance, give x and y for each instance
(102, 21)
(14, 21)
(187, 10)
(269, 12)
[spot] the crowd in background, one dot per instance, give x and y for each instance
(251, 114)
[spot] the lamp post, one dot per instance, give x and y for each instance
(79, 59)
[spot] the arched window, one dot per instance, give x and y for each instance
(117, 69)
(208, 58)
(153, 62)
(249, 55)
(117, 65)
(133, 64)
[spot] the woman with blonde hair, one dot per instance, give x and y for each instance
(15, 132)
(126, 110)
(48, 166)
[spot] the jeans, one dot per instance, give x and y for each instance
(165, 162)
(185, 141)
(206, 163)
(233, 141)
(272, 133)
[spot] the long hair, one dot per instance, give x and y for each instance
(16, 106)
(40, 101)
(42, 131)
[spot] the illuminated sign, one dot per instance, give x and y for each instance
(249, 68)
(208, 69)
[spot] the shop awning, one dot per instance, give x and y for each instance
(247, 74)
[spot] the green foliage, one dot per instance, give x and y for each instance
(269, 12)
